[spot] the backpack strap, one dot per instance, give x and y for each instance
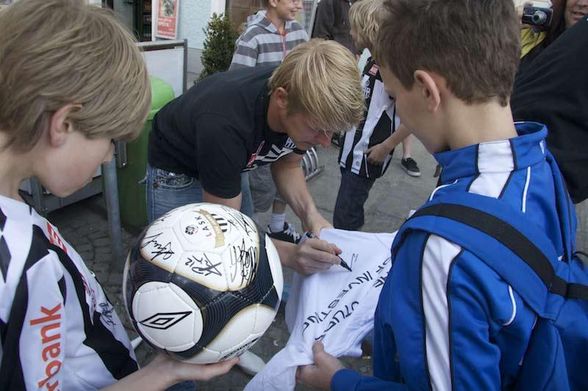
(496, 232)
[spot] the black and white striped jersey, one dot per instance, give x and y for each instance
(58, 331)
(379, 123)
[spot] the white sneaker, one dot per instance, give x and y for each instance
(250, 363)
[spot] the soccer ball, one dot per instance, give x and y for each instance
(202, 283)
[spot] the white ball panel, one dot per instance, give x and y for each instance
(171, 218)
(206, 356)
(240, 349)
(236, 331)
(241, 260)
(206, 269)
(201, 228)
(263, 319)
(275, 265)
(161, 247)
(166, 316)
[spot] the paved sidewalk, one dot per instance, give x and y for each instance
(84, 225)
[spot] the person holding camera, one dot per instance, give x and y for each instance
(543, 22)
(551, 87)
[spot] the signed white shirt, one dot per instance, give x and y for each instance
(336, 306)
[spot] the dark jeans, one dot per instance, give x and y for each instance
(353, 193)
(167, 190)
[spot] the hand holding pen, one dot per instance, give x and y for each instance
(310, 235)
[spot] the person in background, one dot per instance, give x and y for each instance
(72, 80)
(551, 87)
(534, 39)
(366, 151)
(331, 22)
(270, 34)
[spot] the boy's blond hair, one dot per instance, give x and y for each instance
(472, 44)
(322, 81)
(364, 19)
(59, 52)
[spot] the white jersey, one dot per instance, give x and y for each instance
(58, 331)
(335, 306)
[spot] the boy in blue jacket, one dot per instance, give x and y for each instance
(445, 320)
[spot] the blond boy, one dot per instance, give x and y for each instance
(71, 81)
(366, 151)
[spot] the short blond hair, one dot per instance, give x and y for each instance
(322, 81)
(59, 52)
(364, 18)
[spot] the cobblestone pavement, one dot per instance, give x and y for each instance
(84, 225)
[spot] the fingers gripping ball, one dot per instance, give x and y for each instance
(202, 283)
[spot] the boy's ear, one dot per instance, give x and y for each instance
(429, 88)
(60, 124)
(281, 97)
(273, 3)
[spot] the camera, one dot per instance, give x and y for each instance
(538, 17)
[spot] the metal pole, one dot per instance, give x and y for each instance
(112, 209)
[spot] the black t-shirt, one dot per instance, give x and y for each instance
(554, 90)
(218, 129)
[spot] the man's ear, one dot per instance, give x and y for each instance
(60, 124)
(281, 97)
(273, 3)
(429, 88)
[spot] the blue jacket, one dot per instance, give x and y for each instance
(445, 320)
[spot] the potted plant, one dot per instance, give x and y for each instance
(219, 45)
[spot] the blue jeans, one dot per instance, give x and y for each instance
(167, 190)
(353, 193)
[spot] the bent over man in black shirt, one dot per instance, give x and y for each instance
(236, 121)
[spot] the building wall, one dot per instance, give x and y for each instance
(194, 15)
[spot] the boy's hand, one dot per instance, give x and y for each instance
(377, 154)
(182, 371)
(320, 374)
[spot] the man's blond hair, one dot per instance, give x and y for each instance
(364, 20)
(59, 52)
(322, 81)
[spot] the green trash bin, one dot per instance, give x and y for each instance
(132, 200)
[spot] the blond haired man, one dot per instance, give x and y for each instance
(238, 120)
(71, 81)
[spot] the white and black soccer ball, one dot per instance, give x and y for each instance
(202, 283)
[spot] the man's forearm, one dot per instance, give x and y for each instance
(291, 184)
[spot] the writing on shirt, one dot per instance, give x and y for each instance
(337, 311)
(49, 323)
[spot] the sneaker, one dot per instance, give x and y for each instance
(288, 234)
(250, 363)
(410, 166)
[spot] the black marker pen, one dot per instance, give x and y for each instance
(310, 235)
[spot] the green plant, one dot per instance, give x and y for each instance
(219, 45)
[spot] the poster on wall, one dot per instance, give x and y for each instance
(167, 19)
